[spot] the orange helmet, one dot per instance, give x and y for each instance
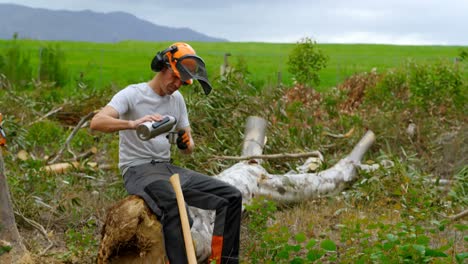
(184, 62)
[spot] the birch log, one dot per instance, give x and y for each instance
(253, 180)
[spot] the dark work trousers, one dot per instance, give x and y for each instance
(151, 182)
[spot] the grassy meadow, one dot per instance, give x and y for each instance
(404, 212)
(127, 62)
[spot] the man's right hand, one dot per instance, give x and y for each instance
(107, 120)
(147, 118)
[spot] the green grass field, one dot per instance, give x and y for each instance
(127, 62)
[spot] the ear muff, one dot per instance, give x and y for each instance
(160, 60)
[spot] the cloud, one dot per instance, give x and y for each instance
(395, 21)
(378, 38)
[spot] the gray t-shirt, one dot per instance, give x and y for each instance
(136, 101)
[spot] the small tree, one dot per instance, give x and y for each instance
(463, 54)
(305, 61)
(15, 63)
(52, 65)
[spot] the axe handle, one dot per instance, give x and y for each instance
(175, 182)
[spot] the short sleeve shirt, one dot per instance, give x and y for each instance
(136, 101)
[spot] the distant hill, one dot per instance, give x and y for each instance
(44, 24)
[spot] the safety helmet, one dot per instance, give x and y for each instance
(184, 62)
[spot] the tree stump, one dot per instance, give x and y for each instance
(131, 235)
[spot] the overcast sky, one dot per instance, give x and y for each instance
(418, 22)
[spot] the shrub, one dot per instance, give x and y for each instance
(51, 65)
(44, 135)
(438, 83)
(15, 64)
(463, 55)
(420, 86)
(305, 61)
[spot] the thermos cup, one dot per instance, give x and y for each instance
(149, 130)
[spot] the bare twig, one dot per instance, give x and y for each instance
(40, 228)
(51, 112)
(271, 156)
(459, 215)
(71, 152)
(84, 155)
(348, 134)
(70, 137)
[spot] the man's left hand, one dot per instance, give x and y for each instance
(183, 139)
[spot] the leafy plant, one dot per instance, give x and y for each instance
(82, 242)
(15, 63)
(5, 249)
(463, 54)
(52, 65)
(305, 61)
(44, 135)
(459, 192)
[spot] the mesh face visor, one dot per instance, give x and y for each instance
(192, 67)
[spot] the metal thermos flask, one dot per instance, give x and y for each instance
(149, 130)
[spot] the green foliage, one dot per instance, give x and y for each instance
(44, 135)
(15, 63)
(82, 242)
(463, 54)
(438, 83)
(274, 243)
(459, 192)
(82, 141)
(5, 249)
(52, 65)
(424, 86)
(394, 244)
(305, 61)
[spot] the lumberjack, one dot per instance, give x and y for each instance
(146, 165)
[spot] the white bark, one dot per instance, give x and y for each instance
(253, 180)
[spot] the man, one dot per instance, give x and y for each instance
(146, 166)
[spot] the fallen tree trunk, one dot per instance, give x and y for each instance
(252, 180)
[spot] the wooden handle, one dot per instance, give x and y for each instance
(175, 181)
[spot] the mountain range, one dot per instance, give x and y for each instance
(86, 25)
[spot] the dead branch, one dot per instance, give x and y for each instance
(84, 155)
(39, 227)
(61, 167)
(72, 135)
(51, 112)
(458, 216)
(270, 156)
(348, 134)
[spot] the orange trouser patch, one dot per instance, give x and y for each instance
(216, 248)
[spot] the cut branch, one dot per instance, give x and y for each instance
(459, 215)
(51, 112)
(40, 228)
(71, 136)
(346, 135)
